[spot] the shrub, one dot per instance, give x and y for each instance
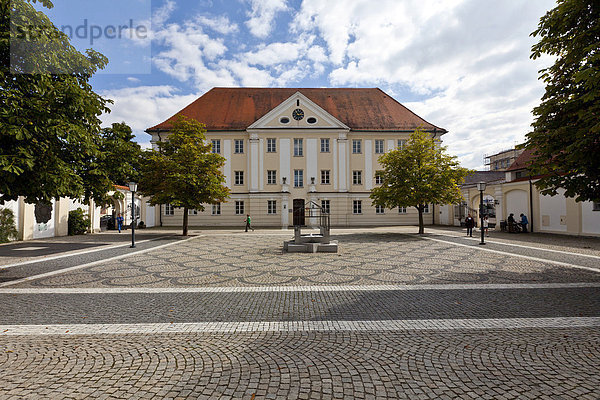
(8, 230)
(141, 225)
(78, 222)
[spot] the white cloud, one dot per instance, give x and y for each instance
(163, 13)
(468, 59)
(144, 106)
(262, 16)
(220, 24)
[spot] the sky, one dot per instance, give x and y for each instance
(463, 65)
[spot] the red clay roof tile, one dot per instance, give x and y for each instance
(360, 109)
(523, 161)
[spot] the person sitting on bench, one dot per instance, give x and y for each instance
(512, 224)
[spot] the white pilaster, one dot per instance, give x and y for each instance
(311, 160)
(261, 166)
(390, 145)
(285, 212)
(343, 163)
(335, 164)
(253, 162)
(285, 160)
(499, 199)
(368, 164)
(227, 166)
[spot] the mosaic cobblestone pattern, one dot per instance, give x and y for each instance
(254, 260)
(494, 364)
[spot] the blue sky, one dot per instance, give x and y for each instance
(461, 64)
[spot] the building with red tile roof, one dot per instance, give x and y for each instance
(286, 148)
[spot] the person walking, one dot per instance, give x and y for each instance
(120, 222)
(469, 223)
(486, 225)
(248, 221)
(524, 223)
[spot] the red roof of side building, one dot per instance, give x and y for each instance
(360, 109)
(523, 161)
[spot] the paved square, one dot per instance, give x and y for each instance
(228, 315)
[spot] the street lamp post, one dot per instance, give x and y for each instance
(481, 188)
(133, 189)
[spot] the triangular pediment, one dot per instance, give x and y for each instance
(298, 112)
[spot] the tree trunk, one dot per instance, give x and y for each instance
(421, 227)
(185, 221)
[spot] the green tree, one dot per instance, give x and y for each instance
(78, 222)
(117, 161)
(8, 230)
(49, 114)
(419, 174)
(566, 133)
(183, 171)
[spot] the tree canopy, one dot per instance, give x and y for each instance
(419, 174)
(566, 133)
(183, 171)
(51, 142)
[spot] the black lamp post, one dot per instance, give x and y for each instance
(481, 188)
(133, 189)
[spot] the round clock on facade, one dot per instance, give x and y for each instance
(298, 114)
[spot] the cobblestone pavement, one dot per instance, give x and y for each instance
(228, 315)
(371, 258)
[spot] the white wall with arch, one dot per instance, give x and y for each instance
(517, 202)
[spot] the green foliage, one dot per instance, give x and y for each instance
(51, 144)
(566, 131)
(117, 162)
(8, 230)
(183, 172)
(419, 174)
(78, 222)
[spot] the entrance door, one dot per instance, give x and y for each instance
(299, 212)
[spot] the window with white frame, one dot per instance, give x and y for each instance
(271, 177)
(379, 209)
(216, 146)
(298, 178)
(216, 209)
(298, 150)
(357, 177)
(379, 177)
(401, 144)
(239, 208)
(238, 146)
(379, 147)
(324, 145)
(239, 177)
(169, 210)
(271, 145)
(401, 210)
(356, 146)
(326, 206)
(426, 208)
(325, 177)
(357, 206)
(193, 212)
(272, 207)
